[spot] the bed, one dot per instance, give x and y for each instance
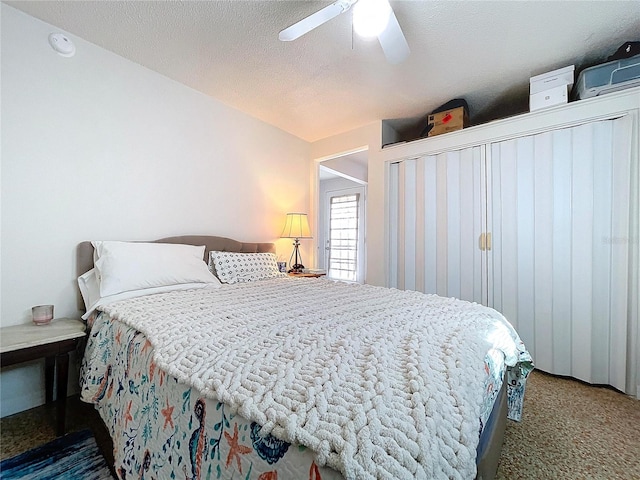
(269, 376)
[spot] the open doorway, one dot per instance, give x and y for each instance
(342, 216)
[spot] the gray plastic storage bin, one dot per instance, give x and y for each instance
(608, 77)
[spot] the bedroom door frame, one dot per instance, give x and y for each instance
(361, 191)
(357, 177)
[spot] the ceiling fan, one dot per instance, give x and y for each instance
(371, 18)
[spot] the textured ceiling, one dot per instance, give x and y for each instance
(329, 81)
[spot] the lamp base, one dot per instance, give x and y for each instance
(297, 268)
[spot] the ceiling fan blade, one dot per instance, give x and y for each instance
(313, 21)
(392, 41)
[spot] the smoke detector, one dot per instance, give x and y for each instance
(61, 44)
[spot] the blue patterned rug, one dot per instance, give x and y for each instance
(75, 456)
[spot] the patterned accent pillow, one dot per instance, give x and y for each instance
(232, 267)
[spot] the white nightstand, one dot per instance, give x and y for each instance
(53, 342)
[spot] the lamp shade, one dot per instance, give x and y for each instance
(296, 226)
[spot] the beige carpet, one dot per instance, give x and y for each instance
(569, 431)
(572, 431)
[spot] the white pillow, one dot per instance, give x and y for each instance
(232, 267)
(125, 266)
(89, 288)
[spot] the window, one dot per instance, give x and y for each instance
(343, 237)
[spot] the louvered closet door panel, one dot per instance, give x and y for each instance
(436, 205)
(402, 221)
(557, 274)
(560, 362)
(462, 209)
(541, 191)
(512, 230)
(393, 224)
(623, 306)
(464, 204)
(582, 275)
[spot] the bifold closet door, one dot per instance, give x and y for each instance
(436, 212)
(558, 202)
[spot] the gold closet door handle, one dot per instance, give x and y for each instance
(489, 241)
(482, 240)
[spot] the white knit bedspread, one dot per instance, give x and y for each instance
(379, 383)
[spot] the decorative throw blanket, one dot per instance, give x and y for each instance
(380, 383)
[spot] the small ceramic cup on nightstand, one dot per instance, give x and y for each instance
(42, 314)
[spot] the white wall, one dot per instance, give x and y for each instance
(348, 167)
(369, 136)
(98, 147)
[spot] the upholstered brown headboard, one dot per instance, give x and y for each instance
(222, 244)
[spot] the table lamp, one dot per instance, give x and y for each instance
(296, 227)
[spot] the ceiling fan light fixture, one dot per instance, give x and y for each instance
(370, 17)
